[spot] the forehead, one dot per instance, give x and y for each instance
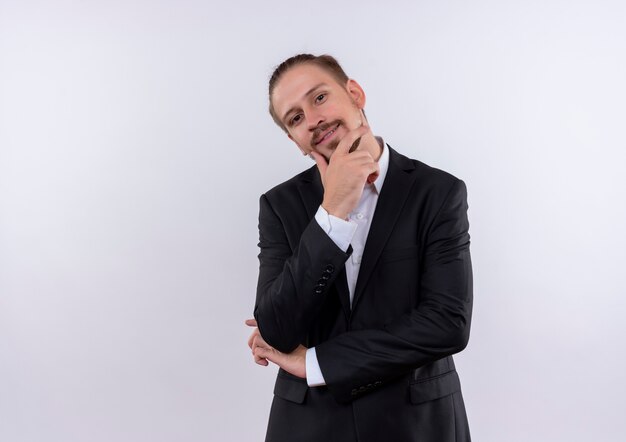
(296, 82)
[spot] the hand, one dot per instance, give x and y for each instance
(251, 340)
(294, 362)
(344, 176)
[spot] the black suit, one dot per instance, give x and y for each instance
(387, 360)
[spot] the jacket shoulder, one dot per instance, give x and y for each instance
(428, 178)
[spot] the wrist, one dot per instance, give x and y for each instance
(336, 211)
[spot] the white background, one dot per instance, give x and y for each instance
(135, 142)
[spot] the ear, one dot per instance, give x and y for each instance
(356, 92)
(304, 152)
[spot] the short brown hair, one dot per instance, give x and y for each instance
(326, 62)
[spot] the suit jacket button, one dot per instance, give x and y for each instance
(330, 268)
(354, 392)
(318, 290)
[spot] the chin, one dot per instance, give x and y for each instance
(327, 150)
(332, 146)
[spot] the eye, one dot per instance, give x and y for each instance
(295, 120)
(320, 98)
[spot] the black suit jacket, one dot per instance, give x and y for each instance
(387, 360)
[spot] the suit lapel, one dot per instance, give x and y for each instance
(398, 183)
(312, 193)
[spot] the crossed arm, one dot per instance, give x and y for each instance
(289, 294)
(437, 327)
(294, 362)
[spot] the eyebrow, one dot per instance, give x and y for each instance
(309, 92)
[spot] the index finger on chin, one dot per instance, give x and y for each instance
(348, 142)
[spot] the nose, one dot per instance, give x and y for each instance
(314, 119)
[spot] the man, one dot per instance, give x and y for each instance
(365, 280)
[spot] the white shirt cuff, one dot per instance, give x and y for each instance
(314, 376)
(339, 230)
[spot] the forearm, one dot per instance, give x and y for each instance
(292, 283)
(437, 326)
(363, 357)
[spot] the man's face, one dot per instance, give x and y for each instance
(316, 110)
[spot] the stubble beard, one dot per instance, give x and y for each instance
(332, 145)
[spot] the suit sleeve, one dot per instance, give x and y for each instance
(293, 282)
(438, 327)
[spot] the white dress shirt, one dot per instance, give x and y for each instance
(345, 233)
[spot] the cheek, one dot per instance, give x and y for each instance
(302, 139)
(348, 114)
(332, 111)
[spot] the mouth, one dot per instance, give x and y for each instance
(326, 136)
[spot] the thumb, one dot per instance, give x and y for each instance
(321, 162)
(251, 322)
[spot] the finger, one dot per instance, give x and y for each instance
(361, 156)
(260, 349)
(251, 322)
(368, 167)
(321, 162)
(346, 143)
(260, 353)
(372, 176)
(254, 343)
(259, 342)
(268, 354)
(355, 145)
(252, 336)
(259, 360)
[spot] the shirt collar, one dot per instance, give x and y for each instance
(383, 165)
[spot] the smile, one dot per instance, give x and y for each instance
(327, 135)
